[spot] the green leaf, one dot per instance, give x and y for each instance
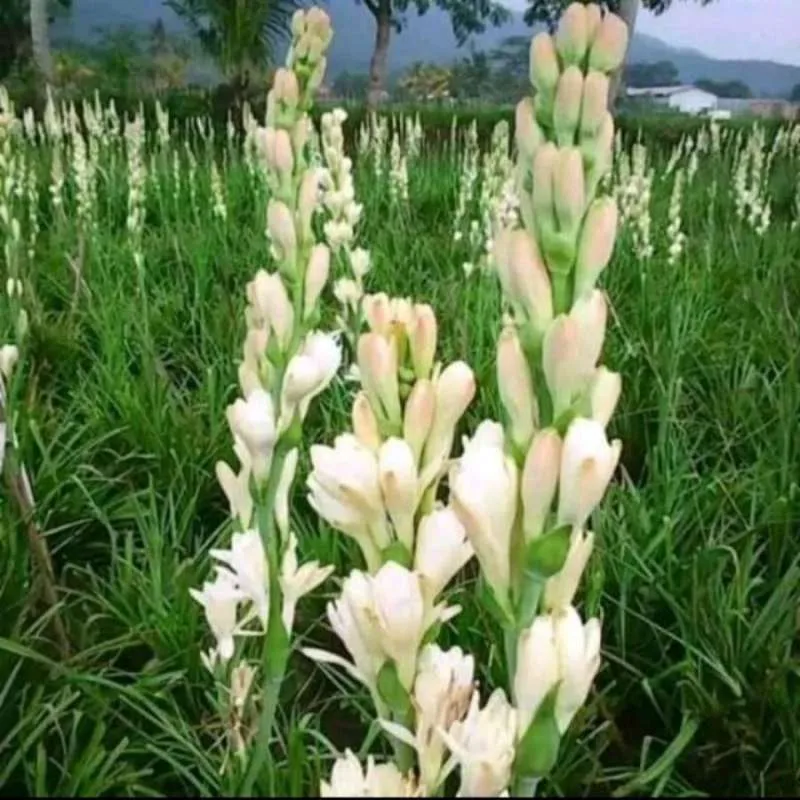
(398, 553)
(537, 752)
(392, 691)
(432, 634)
(546, 554)
(499, 608)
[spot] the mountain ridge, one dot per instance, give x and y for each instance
(430, 38)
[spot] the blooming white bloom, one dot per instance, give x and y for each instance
(220, 600)
(297, 581)
(308, 374)
(557, 650)
(587, 463)
(484, 744)
(236, 486)
(9, 355)
(442, 549)
(348, 779)
(483, 493)
(253, 421)
(559, 590)
(247, 562)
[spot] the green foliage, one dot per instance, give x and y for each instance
(794, 95)
(549, 11)
(656, 73)
(15, 32)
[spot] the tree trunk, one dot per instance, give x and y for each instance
(628, 9)
(40, 39)
(377, 67)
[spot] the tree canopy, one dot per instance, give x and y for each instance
(724, 88)
(655, 73)
(15, 31)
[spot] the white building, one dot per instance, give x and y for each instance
(686, 99)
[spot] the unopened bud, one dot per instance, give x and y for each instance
(422, 339)
(282, 232)
(594, 106)
(14, 287)
(570, 191)
(610, 44)
(524, 276)
(9, 355)
(377, 363)
(544, 69)
(604, 394)
(528, 133)
(365, 426)
(377, 310)
(283, 155)
(594, 16)
(567, 109)
(572, 37)
(418, 417)
(397, 473)
(319, 265)
(543, 168)
(286, 87)
(516, 388)
(564, 368)
(268, 294)
(596, 244)
(539, 481)
(308, 200)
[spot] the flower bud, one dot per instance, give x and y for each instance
(319, 265)
(377, 310)
(308, 200)
(9, 355)
(587, 463)
(604, 394)
(544, 69)
(594, 105)
(400, 614)
(309, 373)
(539, 481)
(569, 190)
(397, 473)
(543, 169)
(559, 591)
(567, 109)
(377, 363)
(442, 549)
(422, 339)
(365, 426)
(14, 287)
(280, 226)
(523, 275)
(283, 155)
(528, 134)
(594, 16)
(286, 88)
(268, 295)
(253, 421)
(418, 417)
(596, 244)
(610, 44)
(572, 37)
(516, 388)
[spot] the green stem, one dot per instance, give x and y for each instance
(510, 636)
(525, 786)
(403, 753)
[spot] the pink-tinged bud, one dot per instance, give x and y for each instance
(365, 426)
(610, 44)
(539, 481)
(570, 190)
(587, 463)
(591, 314)
(572, 37)
(567, 109)
(285, 87)
(604, 394)
(282, 232)
(596, 244)
(283, 155)
(455, 388)
(543, 169)
(528, 134)
(516, 388)
(422, 339)
(418, 418)
(523, 275)
(594, 16)
(378, 313)
(397, 474)
(561, 361)
(594, 106)
(319, 266)
(377, 363)
(268, 295)
(300, 134)
(308, 200)
(559, 591)
(544, 69)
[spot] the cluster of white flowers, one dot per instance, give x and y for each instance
(398, 171)
(634, 194)
(750, 181)
(676, 238)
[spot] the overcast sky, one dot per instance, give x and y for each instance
(760, 29)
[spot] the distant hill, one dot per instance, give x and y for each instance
(430, 38)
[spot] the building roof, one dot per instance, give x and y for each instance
(665, 91)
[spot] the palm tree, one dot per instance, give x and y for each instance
(240, 35)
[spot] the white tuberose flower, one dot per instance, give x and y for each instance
(253, 421)
(220, 600)
(348, 779)
(248, 564)
(297, 581)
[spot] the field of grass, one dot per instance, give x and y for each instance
(122, 390)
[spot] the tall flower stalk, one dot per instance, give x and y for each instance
(286, 364)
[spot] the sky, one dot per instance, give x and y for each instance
(753, 29)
